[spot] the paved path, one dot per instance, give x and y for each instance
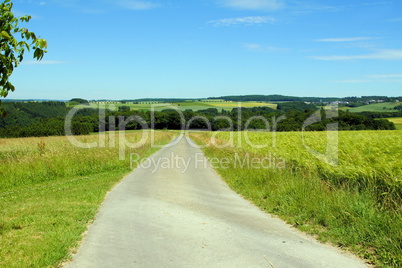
(172, 216)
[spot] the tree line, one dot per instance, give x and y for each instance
(48, 119)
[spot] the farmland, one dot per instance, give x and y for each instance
(55, 188)
(397, 121)
(355, 204)
(189, 105)
(375, 107)
(50, 191)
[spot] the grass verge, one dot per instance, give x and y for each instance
(342, 205)
(50, 191)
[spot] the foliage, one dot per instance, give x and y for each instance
(14, 41)
(383, 114)
(35, 119)
(296, 106)
(47, 119)
(77, 101)
(397, 122)
(124, 108)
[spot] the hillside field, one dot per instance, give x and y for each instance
(375, 107)
(397, 121)
(192, 105)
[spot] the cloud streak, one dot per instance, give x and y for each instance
(254, 4)
(246, 21)
(138, 5)
(384, 76)
(261, 48)
(351, 39)
(377, 78)
(352, 81)
(308, 8)
(384, 54)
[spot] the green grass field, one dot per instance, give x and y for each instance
(195, 106)
(397, 121)
(375, 107)
(355, 205)
(50, 191)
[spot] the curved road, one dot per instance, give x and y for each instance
(175, 211)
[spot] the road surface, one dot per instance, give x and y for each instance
(175, 211)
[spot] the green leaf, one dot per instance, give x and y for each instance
(12, 49)
(5, 35)
(42, 43)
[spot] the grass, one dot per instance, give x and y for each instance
(140, 106)
(397, 121)
(375, 107)
(355, 205)
(195, 106)
(50, 191)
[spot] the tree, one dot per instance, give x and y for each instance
(78, 101)
(14, 41)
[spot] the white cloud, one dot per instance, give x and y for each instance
(43, 62)
(302, 7)
(384, 54)
(254, 4)
(253, 47)
(353, 81)
(138, 5)
(384, 76)
(248, 21)
(261, 48)
(351, 39)
(378, 78)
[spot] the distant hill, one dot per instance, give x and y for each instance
(363, 100)
(282, 98)
(28, 100)
(275, 98)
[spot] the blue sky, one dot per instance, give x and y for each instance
(128, 49)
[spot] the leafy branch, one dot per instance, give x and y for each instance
(14, 42)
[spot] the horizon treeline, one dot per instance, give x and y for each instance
(48, 119)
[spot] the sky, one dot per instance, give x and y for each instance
(129, 49)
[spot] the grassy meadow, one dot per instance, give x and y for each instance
(191, 105)
(375, 107)
(355, 205)
(397, 121)
(51, 190)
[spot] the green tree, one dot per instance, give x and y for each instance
(14, 41)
